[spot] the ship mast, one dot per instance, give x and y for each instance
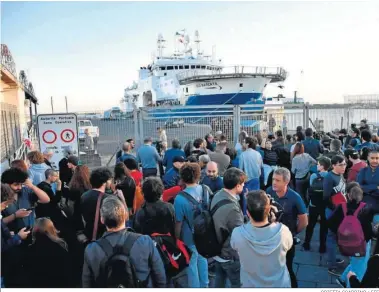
(160, 45)
(197, 41)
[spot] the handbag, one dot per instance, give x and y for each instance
(80, 236)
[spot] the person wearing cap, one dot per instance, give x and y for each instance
(72, 162)
(357, 164)
(172, 176)
(48, 154)
(148, 156)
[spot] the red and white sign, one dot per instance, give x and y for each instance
(67, 135)
(58, 133)
(49, 137)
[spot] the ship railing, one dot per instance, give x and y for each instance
(276, 72)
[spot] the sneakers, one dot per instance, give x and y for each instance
(341, 283)
(306, 246)
(339, 261)
(334, 272)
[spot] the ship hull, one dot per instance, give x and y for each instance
(224, 98)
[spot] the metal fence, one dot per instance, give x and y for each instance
(191, 122)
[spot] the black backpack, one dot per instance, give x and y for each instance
(316, 190)
(204, 232)
(116, 270)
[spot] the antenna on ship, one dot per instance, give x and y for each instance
(213, 53)
(197, 41)
(160, 45)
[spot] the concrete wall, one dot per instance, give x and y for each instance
(12, 120)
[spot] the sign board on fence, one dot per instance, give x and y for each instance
(58, 132)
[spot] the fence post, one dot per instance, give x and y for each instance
(135, 121)
(141, 135)
(306, 115)
(236, 123)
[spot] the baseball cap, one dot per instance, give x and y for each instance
(73, 160)
(178, 159)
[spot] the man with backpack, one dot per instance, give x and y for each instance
(227, 216)
(316, 205)
(188, 204)
(121, 259)
(351, 222)
(333, 195)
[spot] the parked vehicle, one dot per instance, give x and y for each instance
(93, 130)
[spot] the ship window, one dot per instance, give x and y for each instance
(202, 67)
(165, 74)
(193, 67)
(241, 84)
(186, 67)
(187, 89)
(163, 68)
(181, 67)
(197, 67)
(176, 67)
(170, 67)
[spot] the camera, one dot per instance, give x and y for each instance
(278, 214)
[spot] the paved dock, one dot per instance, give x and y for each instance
(311, 267)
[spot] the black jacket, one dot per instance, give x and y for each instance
(157, 217)
(51, 209)
(47, 265)
(128, 188)
(65, 175)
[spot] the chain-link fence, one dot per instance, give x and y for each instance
(190, 122)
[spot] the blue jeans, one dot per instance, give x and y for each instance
(228, 274)
(331, 243)
(197, 270)
(358, 265)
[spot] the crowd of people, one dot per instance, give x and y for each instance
(210, 214)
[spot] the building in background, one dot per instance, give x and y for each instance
(362, 98)
(18, 108)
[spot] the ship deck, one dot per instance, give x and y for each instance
(276, 74)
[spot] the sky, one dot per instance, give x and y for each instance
(91, 51)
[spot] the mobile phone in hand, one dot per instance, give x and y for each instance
(30, 209)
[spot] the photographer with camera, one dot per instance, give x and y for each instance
(294, 211)
(262, 244)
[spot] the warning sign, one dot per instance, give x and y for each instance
(49, 137)
(67, 135)
(58, 133)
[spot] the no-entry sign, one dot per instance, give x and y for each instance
(58, 132)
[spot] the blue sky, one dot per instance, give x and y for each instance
(90, 51)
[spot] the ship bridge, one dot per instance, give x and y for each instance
(275, 74)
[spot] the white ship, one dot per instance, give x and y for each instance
(189, 77)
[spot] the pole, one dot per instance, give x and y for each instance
(66, 104)
(52, 106)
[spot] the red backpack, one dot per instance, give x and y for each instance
(351, 239)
